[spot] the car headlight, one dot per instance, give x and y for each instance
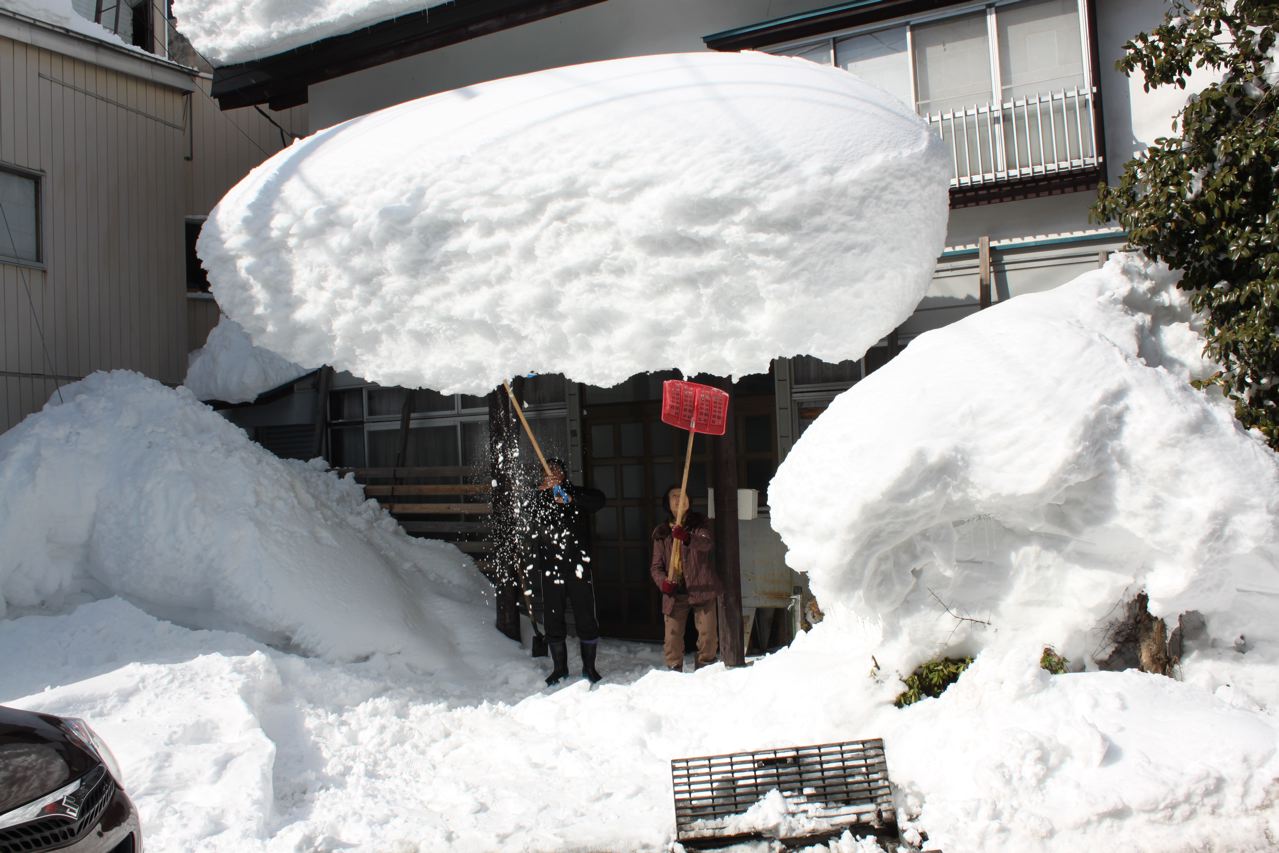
(88, 738)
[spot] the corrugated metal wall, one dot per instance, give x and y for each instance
(109, 147)
(124, 160)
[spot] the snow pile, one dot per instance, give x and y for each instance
(1034, 466)
(231, 746)
(699, 211)
(231, 369)
(134, 489)
(63, 14)
(232, 31)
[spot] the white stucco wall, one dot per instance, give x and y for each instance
(609, 30)
(1132, 118)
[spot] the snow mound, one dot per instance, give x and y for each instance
(231, 369)
(1034, 466)
(700, 211)
(133, 489)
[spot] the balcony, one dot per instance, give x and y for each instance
(1028, 140)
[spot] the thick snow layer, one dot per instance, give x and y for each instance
(227, 745)
(61, 13)
(231, 31)
(231, 369)
(133, 489)
(1034, 466)
(699, 211)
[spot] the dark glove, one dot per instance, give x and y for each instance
(669, 588)
(680, 532)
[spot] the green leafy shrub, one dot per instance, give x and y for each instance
(1053, 662)
(931, 679)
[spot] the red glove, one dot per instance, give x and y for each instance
(668, 587)
(680, 532)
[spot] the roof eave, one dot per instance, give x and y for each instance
(282, 80)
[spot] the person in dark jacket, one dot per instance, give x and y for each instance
(559, 533)
(698, 587)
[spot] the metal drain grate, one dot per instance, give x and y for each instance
(820, 791)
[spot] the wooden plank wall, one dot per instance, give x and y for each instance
(124, 161)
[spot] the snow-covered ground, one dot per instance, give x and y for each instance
(371, 742)
(706, 212)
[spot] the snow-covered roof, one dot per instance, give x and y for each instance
(706, 212)
(232, 31)
(62, 13)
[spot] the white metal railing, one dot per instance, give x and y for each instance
(1040, 134)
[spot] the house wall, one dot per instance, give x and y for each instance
(108, 146)
(110, 134)
(610, 30)
(1132, 118)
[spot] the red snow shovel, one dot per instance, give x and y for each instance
(696, 408)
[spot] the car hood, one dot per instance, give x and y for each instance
(36, 757)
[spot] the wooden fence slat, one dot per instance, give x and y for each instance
(439, 509)
(401, 490)
(397, 473)
(458, 527)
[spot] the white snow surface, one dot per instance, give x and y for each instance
(231, 369)
(228, 745)
(232, 31)
(130, 508)
(705, 212)
(129, 488)
(61, 13)
(1033, 467)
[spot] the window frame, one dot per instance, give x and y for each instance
(38, 178)
(958, 10)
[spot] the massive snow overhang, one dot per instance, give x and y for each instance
(281, 80)
(700, 211)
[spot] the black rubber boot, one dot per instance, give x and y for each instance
(559, 657)
(588, 660)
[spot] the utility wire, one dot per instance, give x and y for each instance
(35, 318)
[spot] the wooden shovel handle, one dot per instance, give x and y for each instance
(519, 410)
(677, 563)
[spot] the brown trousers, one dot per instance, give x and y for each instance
(706, 618)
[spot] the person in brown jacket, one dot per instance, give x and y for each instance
(697, 589)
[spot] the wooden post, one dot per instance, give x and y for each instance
(504, 572)
(727, 548)
(325, 379)
(983, 272)
(406, 411)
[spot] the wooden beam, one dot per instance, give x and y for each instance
(439, 509)
(457, 527)
(322, 383)
(403, 490)
(727, 546)
(408, 472)
(983, 272)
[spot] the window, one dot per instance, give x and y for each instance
(1039, 48)
(197, 278)
(952, 64)
(1005, 86)
(880, 59)
(20, 216)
